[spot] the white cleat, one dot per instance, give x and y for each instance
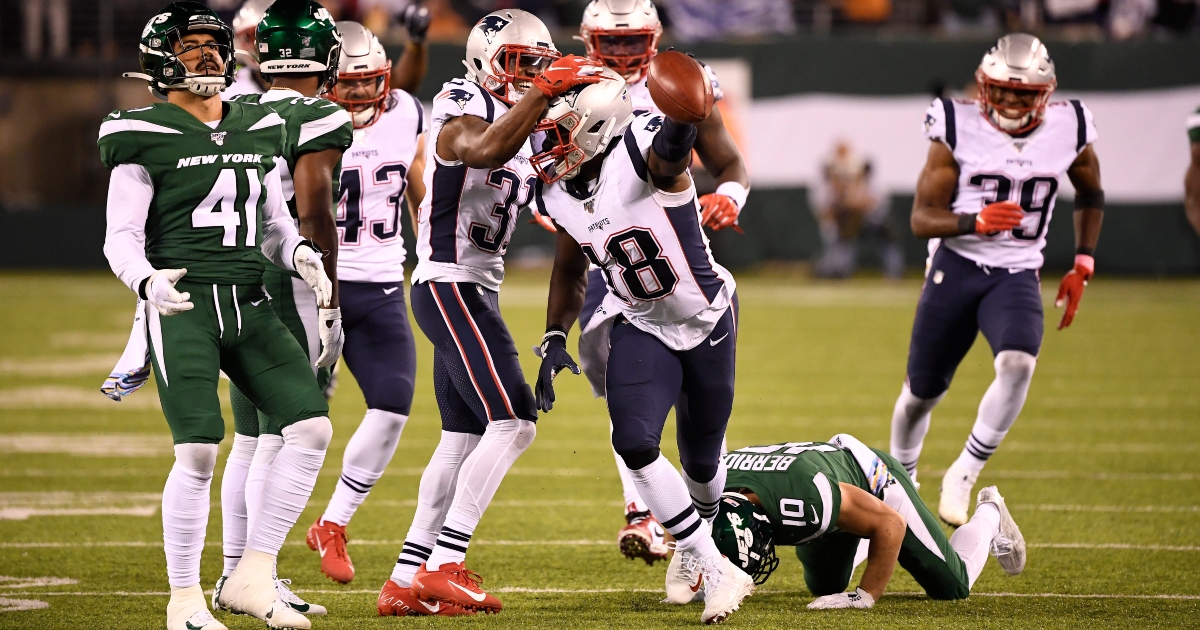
(1009, 545)
(685, 580)
(216, 595)
(259, 596)
(956, 495)
(293, 600)
(187, 610)
(725, 586)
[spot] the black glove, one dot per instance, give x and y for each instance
(415, 19)
(553, 352)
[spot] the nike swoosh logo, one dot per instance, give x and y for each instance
(321, 550)
(434, 608)
(713, 343)
(256, 303)
(696, 587)
(191, 627)
(300, 608)
(390, 291)
(475, 596)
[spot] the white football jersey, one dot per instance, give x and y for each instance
(243, 83)
(995, 166)
(468, 214)
(374, 178)
(639, 93)
(656, 259)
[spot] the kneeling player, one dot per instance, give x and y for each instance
(826, 498)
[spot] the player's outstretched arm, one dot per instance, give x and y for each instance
(568, 284)
(1191, 188)
(1089, 215)
(415, 192)
(313, 180)
(724, 162)
(864, 515)
(478, 144)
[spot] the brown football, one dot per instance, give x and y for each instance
(680, 87)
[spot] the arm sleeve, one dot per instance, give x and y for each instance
(130, 192)
(280, 237)
(328, 126)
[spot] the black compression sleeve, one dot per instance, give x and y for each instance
(673, 142)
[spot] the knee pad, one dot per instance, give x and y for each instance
(314, 433)
(1015, 364)
(638, 460)
(196, 459)
(523, 431)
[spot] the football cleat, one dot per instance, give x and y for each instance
(685, 580)
(216, 596)
(329, 539)
(956, 495)
(294, 601)
(1009, 544)
(643, 537)
(187, 610)
(454, 584)
(258, 595)
(725, 586)
(399, 601)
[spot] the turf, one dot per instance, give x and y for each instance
(1098, 470)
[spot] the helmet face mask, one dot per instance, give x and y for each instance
(581, 124)
(1015, 81)
(514, 67)
(364, 75)
(623, 34)
(743, 534)
(561, 157)
(184, 36)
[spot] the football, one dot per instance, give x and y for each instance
(680, 87)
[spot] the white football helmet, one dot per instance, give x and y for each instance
(623, 34)
(506, 51)
(244, 23)
(364, 74)
(1021, 63)
(581, 124)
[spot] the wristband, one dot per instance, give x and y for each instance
(313, 246)
(674, 140)
(966, 223)
(141, 290)
(1087, 262)
(734, 191)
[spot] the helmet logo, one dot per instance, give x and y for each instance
(744, 537)
(323, 14)
(491, 26)
(218, 138)
(572, 95)
(460, 97)
(158, 19)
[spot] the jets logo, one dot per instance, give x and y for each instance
(654, 123)
(459, 96)
(218, 138)
(491, 26)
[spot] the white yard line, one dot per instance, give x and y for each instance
(1107, 508)
(60, 397)
(89, 444)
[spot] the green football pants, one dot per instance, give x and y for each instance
(231, 329)
(926, 552)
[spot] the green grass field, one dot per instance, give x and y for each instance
(1099, 470)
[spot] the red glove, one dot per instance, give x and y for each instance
(566, 73)
(998, 217)
(719, 211)
(1071, 289)
(544, 221)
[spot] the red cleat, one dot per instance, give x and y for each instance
(329, 539)
(642, 537)
(454, 584)
(398, 601)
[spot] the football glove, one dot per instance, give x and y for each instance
(566, 73)
(545, 222)
(415, 19)
(308, 264)
(118, 386)
(555, 358)
(161, 293)
(858, 599)
(1071, 289)
(998, 217)
(329, 323)
(719, 211)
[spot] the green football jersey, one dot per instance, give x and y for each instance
(797, 483)
(206, 214)
(1193, 125)
(313, 124)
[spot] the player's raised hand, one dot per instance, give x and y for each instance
(566, 73)
(998, 217)
(1071, 289)
(555, 358)
(858, 599)
(415, 19)
(308, 264)
(161, 293)
(718, 212)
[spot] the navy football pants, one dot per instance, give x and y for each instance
(379, 349)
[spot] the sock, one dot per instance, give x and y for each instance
(185, 504)
(417, 548)
(233, 500)
(633, 500)
(998, 409)
(665, 492)
(910, 423)
(292, 477)
(264, 455)
(478, 479)
(973, 540)
(705, 495)
(366, 457)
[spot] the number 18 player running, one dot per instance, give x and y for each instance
(984, 200)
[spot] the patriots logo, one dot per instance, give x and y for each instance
(218, 137)
(929, 120)
(492, 25)
(458, 96)
(654, 123)
(572, 95)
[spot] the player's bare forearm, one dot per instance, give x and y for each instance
(718, 152)
(415, 193)
(313, 182)
(409, 71)
(1191, 188)
(931, 214)
(568, 282)
(1089, 200)
(864, 515)
(478, 144)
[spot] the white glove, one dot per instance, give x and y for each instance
(858, 599)
(329, 323)
(308, 264)
(161, 293)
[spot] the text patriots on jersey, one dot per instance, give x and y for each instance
(598, 225)
(237, 158)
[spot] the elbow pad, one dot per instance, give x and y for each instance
(674, 141)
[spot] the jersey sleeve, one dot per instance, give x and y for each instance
(638, 138)
(462, 98)
(117, 145)
(326, 126)
(1193, 126)
(130, 193)
(718, 93)
(939, 122)
(1086, 133)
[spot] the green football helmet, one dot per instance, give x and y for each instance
(160, 63)
(742, 532)
(299, 37)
